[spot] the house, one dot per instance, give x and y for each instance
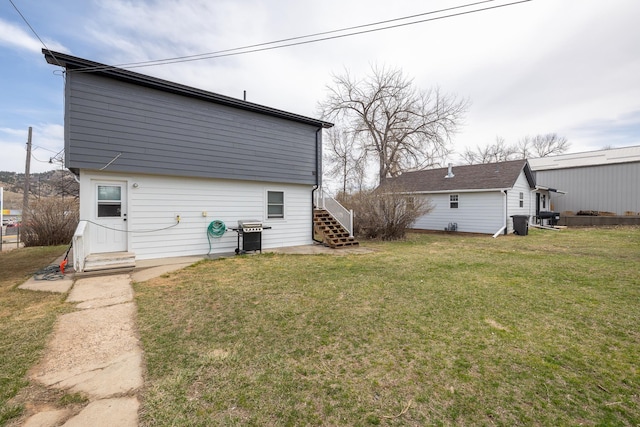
(158, 162)
(475, 198)
(603, 180)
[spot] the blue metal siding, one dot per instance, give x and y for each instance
(169, 134)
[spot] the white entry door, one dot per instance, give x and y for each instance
(109, 233)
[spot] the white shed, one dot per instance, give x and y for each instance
(475, 198)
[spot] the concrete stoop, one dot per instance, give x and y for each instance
(109, 261)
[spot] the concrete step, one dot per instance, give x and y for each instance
(110, 261)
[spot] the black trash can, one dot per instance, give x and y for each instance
(520, 224)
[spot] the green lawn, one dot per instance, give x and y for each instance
(435, 330)
(26, 320)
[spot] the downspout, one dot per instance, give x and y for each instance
(315, 187)
(505, 227)
(506, 212)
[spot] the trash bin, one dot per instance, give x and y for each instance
(520, 224)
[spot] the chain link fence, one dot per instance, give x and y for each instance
(11, 237)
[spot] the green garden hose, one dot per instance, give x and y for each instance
(216, 229)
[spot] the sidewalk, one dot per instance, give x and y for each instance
(95, 350)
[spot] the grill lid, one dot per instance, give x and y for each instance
(250, 225)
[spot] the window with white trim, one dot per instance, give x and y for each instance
(453, 201)
(522, 200)
(275, 204)
(109, 201)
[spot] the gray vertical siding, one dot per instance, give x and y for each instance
(166, 133)
(611, 188)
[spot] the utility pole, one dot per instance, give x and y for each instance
(1, 215)
(25, 197)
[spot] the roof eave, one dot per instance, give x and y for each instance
(465, 190)
(553, 190)
(72, 63)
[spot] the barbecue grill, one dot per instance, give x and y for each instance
(553, 217)
(250, 231)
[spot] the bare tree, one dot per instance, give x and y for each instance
(543, 145)
(387, 212)
(65, 185)
(52, 221)
(537, 146)
(345, 160)
(403, 127)
(497, 152)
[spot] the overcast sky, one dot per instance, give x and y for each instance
(566, 66)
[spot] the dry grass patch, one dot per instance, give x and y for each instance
(438, 329)
(26, 319)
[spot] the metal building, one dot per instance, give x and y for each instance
(604, 180)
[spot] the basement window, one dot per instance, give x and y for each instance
(453, 201)
(275, 204)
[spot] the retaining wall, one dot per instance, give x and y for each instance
(594, 221)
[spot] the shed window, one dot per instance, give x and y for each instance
(453, 201)
(275, 204)
(522, 200)
(410, 203)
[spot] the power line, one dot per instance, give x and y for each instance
(261, 47)
(34, 31)
(200, 55)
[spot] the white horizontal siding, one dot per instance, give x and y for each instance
(513, 201)
(480, 212)
(156, 201)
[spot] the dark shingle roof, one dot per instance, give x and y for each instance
(501, 175)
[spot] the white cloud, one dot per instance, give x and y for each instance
(16, 37)
(47, 139)
(13, 36)
(543, 66)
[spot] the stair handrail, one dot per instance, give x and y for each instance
(343, 215)
(80, 246)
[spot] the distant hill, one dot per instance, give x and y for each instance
(12, 200)
(45, 184)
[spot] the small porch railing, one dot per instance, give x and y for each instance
(343, 215)
(80, 246)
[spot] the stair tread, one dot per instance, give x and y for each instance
(334, 234)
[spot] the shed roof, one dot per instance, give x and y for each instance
(588, 158)
(75, 64)
(489, 176)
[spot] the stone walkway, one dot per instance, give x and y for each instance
(95, 350)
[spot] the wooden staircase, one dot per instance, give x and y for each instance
(333, 233)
